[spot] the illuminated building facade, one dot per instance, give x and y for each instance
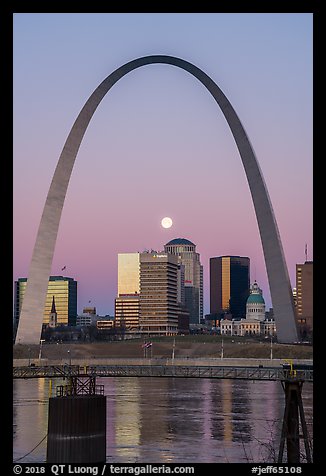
(105, 324)
(147, 301)
(89, 310)
(247, 327)
(127, 308)
(229, 285)
(64, 291)
(127, 303)
(304, 297)
(185, 250)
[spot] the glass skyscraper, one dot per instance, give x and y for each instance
(229, 285)
(64, 291)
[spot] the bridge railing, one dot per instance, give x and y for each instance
(244, 373)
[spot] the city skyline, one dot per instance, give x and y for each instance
(252, 282)
(89, 241)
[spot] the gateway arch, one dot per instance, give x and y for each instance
(31, 316)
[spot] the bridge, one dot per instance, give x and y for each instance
(184, 371)
(82, 380)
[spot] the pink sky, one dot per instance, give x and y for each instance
(158, 145)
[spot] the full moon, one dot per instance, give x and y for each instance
(166, 222)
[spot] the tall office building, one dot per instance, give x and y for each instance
(64, 291)
(147, 299)
(158, 293)
(304, 298)
(229, 285)
(185, 250)
(127, 304)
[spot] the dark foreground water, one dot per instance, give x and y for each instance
(169, 420)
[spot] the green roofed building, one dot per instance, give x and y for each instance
(255, 307)
(255, 322)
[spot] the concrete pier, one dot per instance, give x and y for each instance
(77, 424)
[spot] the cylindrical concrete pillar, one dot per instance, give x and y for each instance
(77, 429)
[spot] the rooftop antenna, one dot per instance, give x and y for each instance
(306, 252)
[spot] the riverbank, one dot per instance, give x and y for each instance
(182, 347)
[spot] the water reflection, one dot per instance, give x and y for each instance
(226, 405)
(166, 420)
(127, 418)
(30, 401)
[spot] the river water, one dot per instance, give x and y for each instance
(169, 420)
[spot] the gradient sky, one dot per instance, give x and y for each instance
(158, 145)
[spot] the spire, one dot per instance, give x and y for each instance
(53, 310)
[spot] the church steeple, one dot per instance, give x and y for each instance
(53, 310)
(53, 318)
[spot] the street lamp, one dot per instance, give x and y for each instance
(69, 356)
(40, 353)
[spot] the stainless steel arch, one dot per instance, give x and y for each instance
(31, 317)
